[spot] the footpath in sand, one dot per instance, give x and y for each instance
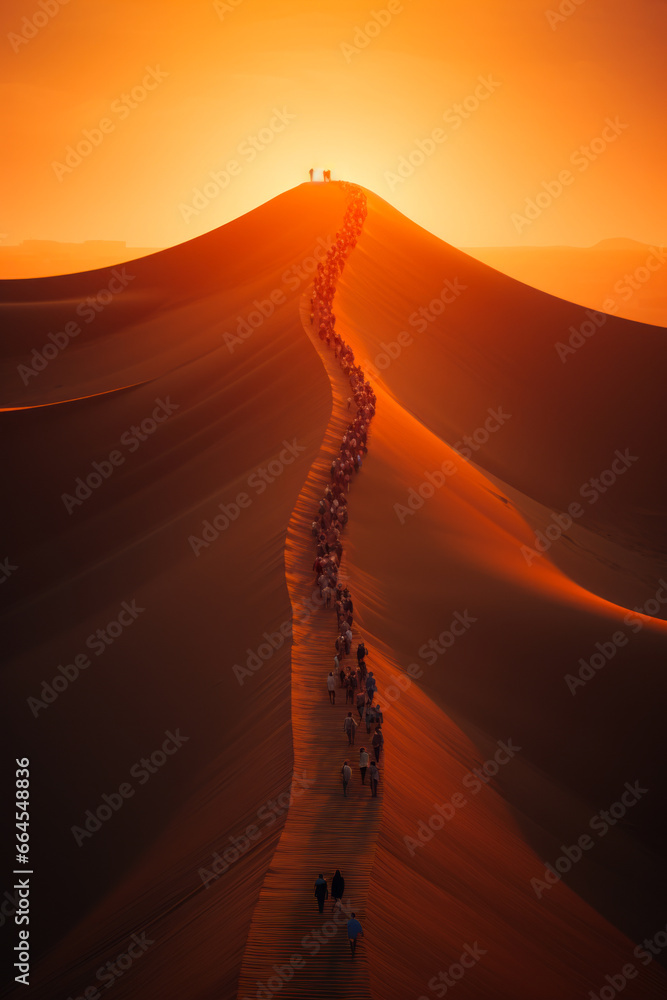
(289, 939)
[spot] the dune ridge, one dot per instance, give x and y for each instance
(236, 409)
(502, 681)
(323, 831)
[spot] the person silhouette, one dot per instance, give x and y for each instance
(311, 172)
(337, 888)
(321, 892)
(346, 771)
(354, 931)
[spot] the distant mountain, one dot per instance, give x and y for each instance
(619, 275)
(46, 258)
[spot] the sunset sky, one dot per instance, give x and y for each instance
(211, 75)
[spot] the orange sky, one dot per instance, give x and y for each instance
(226, 67)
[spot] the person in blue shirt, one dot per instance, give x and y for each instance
(354, 930)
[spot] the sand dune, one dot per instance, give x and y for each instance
(130, 540)
(238, 407)
(501, 679)
(526, 627)
(480, 361)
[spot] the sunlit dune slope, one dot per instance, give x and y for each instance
(451, 900)
(169, 452)
(143, 318)
(441, 583)
(485, 342)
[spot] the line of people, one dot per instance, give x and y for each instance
(354, 929)
(332, 508)
(332, 513)
(331, 518)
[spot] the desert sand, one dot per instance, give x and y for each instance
(220, 405)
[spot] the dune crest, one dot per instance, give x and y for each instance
(204, 520)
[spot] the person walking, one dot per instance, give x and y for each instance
(346, 772)
(374, 778)
(378, 743)
(321, 891)
(337, 888)
(363, 764)
(331, 687)
(354, 931)
(349, 726)
(361, 701)
(362, 652)
(370, 718)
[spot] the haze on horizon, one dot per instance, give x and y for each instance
(164, 100)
